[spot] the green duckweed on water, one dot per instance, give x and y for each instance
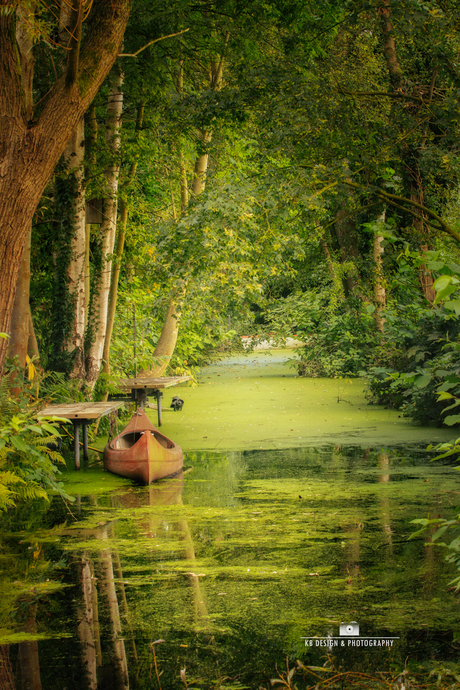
(233, 563)
(256, 400)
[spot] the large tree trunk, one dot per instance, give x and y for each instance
(6, 671)
(415, 183)
(426, 279)
(338, 287)
(17, 345)
(389, 46)
(107, 229)
(347, 239)
(30, 148)
(20, 323)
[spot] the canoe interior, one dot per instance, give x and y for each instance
(124, 441)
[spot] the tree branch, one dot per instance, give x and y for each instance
(398, 95)
(351, 213)
(386, 196)
(412, 213)
(74, 45)
(155, 40)
(12, 110)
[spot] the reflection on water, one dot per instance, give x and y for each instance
(225, 569)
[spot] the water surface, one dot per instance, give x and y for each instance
(228, 567)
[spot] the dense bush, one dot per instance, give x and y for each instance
(28, 456)
(341, 337)
(425, 384)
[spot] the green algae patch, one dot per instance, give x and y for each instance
(256, 401)
(91, 481)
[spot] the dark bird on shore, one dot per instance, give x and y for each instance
(177, 403)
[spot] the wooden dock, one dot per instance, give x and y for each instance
(81, 414)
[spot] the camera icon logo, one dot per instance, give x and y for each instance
(347, 629)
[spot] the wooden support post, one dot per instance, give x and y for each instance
(77, 443)
(85, 443)
(159, 395)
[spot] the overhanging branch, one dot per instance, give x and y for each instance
(385, 94)
(155, 40)
(396, 199)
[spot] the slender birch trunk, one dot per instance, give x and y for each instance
(379, 288)
(73, 157)
(32, 344)
(107, 230)
(92, 127)
(122, 224)
(184, 195)
(201, 164)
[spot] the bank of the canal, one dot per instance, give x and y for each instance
(256, 400)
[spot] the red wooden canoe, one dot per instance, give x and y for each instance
(141, 452)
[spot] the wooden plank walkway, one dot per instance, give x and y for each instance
(152, 383)
(86, 410)
(81, 414)
(141, 386)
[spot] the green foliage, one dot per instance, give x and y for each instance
(27, 451)
(340, 336)
(58, 246)
(424, 381)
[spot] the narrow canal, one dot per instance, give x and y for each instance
(292, 516)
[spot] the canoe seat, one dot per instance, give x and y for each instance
(128, 440)
(163, 441)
